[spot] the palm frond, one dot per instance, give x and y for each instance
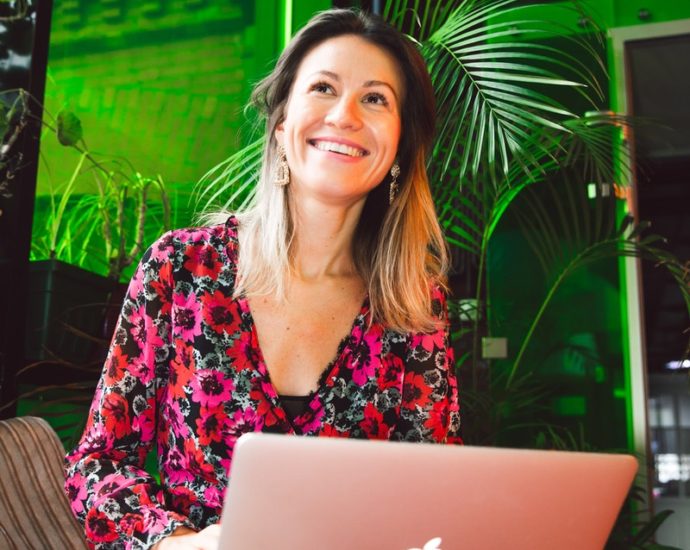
(488, 76)
(231, 184)
(418, 21)
(567, 231)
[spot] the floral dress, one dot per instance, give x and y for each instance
(185, 371)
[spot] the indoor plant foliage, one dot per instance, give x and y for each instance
(105, 229)
(502, 135)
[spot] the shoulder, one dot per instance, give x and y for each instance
(221, 238)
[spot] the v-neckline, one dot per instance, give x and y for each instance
(269, 390)
(329, 370)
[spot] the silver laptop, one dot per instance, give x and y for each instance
(309, 493)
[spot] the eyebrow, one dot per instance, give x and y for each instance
(367, 84)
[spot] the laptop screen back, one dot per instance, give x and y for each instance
(292, 492)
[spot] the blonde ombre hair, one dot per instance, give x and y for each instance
(398, 249)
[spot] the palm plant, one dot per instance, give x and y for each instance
(506, 145)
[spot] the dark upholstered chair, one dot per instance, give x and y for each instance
(34, 511)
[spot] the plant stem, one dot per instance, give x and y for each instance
(540, 313)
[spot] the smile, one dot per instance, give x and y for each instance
(341, 148)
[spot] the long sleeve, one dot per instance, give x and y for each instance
(111, 494)
(429, 410)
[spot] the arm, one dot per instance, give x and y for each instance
(117, 501)
(429, 410)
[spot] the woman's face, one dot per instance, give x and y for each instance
(342, 120)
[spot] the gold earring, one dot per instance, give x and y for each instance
(395, 172)
(282, 177)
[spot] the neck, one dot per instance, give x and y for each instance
(322, 247)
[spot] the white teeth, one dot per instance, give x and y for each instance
(338, 148)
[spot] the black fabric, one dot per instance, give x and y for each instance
(295, 405)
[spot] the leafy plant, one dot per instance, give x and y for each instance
(123, 210)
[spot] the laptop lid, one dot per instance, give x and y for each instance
(303, 493)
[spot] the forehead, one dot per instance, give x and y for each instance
(350, 56)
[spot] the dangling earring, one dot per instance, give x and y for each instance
(395, 172)
(282, 177)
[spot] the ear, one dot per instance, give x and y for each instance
(279, 133)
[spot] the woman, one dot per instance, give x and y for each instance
(247, 325)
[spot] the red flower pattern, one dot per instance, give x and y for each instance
(185, 372)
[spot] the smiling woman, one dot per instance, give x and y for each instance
(318, 311)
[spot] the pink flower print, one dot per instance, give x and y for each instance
(149, 520)
(368, 356)
(315, 421)
(144, 332)
(153, 521)
(175, 469)
(242, 422)
(429, 341)
(136, 284)
(211, 388)
(213, 497)
(176, 419)
(96, 438)
(75, 487)
(226, 464)
(163, 249)
(144, 423)
(186, 316)
(109, 484)
(143, 367)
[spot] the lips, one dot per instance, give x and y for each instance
(347, 149)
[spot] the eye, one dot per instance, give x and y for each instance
(376, 98)
(321, 88)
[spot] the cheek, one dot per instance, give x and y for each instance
(390, 135)
(393, 129)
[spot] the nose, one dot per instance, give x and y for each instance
(344, 113)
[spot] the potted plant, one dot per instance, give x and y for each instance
(83, 245)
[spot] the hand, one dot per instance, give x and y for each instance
(184, 538)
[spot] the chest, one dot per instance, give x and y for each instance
(300, 336)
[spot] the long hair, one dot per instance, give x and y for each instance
(398, 249)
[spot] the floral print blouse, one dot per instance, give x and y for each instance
(185, 371)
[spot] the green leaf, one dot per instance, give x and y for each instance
(69, 130)
(647, 532)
